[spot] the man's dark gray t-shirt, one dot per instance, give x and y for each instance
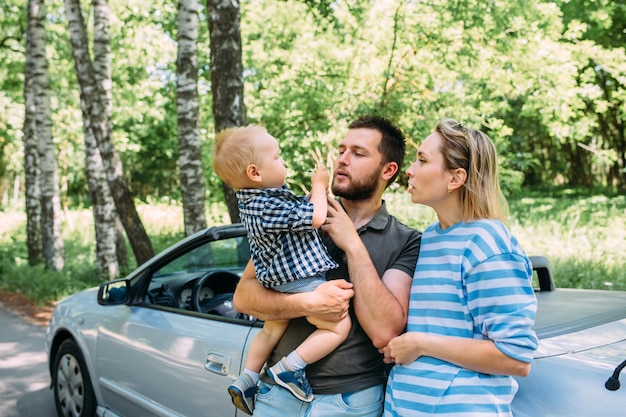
(356, 363)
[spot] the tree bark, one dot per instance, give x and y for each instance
(94, 110)
(226, 75)
(103, 206)
(102, 71)
(31, 156)
(51, 214)
(189, 152)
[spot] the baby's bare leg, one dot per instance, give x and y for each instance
(325, 339)
(263, 343)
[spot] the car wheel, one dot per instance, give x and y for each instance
(73, 392)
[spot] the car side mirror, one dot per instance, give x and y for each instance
(114, 292)
(541, 265)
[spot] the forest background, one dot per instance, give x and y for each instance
(545, 79)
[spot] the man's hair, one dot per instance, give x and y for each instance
(234, 151)
(392, 143)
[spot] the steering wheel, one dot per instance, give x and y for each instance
(223, 284)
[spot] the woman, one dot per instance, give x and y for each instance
(472, 305)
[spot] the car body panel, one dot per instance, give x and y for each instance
(569, 310)
(76, 317)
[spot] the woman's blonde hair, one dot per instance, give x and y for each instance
(472, 150)
(234, 152)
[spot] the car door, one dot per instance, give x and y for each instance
(161, 363)
(164, 355)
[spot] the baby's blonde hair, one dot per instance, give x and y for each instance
(234, 152)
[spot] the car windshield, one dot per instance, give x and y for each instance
(225, 254)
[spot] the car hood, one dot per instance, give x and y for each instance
(566, 311)
(582, 339)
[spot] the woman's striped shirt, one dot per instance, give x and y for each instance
(472, 280)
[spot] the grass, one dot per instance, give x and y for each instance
(583, 234)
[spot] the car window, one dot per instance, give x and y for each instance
(232, 253)
(202, 279)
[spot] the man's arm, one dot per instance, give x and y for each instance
(329, 301)
(381, 304)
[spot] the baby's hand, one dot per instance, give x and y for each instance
(320, 175)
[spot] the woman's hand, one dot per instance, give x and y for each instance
(403, 349)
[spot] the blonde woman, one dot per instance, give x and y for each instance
(472, 304)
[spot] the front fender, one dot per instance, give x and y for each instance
(77, 317)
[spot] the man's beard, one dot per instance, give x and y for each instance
(361, 190)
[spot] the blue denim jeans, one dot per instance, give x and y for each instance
(275, 401)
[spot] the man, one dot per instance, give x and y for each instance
(376, 254)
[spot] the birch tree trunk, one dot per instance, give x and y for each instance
(226, 75)
(102, 71)
(31, 156)
(94, 110)
(102, 203)
(189, 152)
(51, 214)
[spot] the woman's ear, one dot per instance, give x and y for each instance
(459, 176)
(253, 173)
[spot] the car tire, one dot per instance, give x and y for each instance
(73, 392)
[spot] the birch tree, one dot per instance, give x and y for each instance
(103, 206)
(95, 112)
(51, 239)
(189, 152)
(31, 156)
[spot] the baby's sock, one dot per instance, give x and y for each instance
(295, 362)
(252, 374)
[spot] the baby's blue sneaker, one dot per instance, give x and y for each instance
(243, 392)
(294, 381)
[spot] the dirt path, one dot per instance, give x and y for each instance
(23, 307)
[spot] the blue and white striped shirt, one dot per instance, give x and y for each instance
(283, 244)
(472, 280)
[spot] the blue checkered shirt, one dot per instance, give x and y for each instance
(283, 244)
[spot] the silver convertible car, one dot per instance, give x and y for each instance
(167, 341)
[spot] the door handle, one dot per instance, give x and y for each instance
(217, 363)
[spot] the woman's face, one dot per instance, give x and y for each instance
(428, 176)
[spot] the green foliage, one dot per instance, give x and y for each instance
(34, 282)
(601, 21)
(545, 80)
(581, 232)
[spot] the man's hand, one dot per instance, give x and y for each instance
(331, 300)
(340, 227)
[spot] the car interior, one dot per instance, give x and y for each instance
(203, 279)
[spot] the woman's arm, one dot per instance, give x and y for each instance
(477, 355)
